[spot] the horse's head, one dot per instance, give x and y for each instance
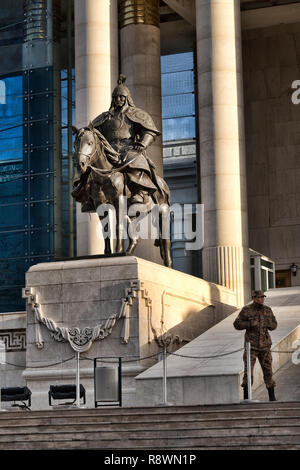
(85, 146)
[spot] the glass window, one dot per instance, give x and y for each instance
(264, 282)
(26, 179)
(178, 99)
(11, 118)
(267, 264)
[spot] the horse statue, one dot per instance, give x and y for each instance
(101, 179)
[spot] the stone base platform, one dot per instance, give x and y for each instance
(92, 293)
(217, 380)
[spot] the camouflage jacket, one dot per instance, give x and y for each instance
(257, 335)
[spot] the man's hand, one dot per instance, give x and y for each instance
(138, 146)
(253, 323)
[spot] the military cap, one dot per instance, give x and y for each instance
(258, 293)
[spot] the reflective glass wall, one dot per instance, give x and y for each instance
(33, 219)
(178, 96)
(180, 150)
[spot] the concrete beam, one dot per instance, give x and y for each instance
(184, 8)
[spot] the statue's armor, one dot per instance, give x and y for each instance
(122, 132)
(119, 132)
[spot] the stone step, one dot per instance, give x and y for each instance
(181, 442)
(243, 406)
(256, 425)
(63, 425)
(91, 434)
(157, 414)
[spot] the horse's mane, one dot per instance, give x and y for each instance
(100, 139)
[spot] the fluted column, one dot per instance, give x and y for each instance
(96, 71)
(222, 146)
(140, 62)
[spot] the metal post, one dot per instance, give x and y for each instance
(2, 361)
(120, 381)
(0, 387)
(70, 112)
(248, 350)
(78, 381)
(165, 376)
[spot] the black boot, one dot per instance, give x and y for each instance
(271, 394)
(245, 393)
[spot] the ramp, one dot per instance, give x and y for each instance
(212, 376)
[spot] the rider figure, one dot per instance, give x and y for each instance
(130, 131)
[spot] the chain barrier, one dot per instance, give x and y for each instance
(40, 367)
(141, 358)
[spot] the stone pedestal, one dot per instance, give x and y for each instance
(92, 293)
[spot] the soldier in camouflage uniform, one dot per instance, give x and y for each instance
(256, 318)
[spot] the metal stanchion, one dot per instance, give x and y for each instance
(2, 361)
(165, 402)
(78, 381)
(248, 351)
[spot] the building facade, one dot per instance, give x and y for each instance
(216, 76)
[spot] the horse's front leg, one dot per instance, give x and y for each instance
(120, 229)
(107, 246)
(164, 235)
(132, 236)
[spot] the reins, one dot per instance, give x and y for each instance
(113, 170)
(109, 149)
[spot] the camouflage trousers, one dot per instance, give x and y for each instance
(265, 359)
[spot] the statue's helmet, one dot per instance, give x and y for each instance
(121, 89)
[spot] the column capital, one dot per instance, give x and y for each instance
(139, 12)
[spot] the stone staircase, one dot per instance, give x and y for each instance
(267, 426)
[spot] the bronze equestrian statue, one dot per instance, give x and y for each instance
(111, 161)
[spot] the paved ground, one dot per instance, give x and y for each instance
(287, 384)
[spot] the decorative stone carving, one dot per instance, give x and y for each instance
(81, 339)
(15, 340)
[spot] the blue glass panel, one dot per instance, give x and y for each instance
(41, 241)
(40, 133)
(14, 216)
(41, 187)
(179, 82)
(40, 159)
(64, 141)
(11, 117)
(11, 299)
(40, 106)
(177, 62)
(12, 189)
(178, 128)
(41, 213)
(178, 105)
(14, 244)
(14, 272)
(40, 80)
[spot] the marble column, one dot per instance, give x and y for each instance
(140, 63)
(96, 71)
(222, 146)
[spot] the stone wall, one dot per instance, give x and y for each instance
(13, 333)
(271, 60)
